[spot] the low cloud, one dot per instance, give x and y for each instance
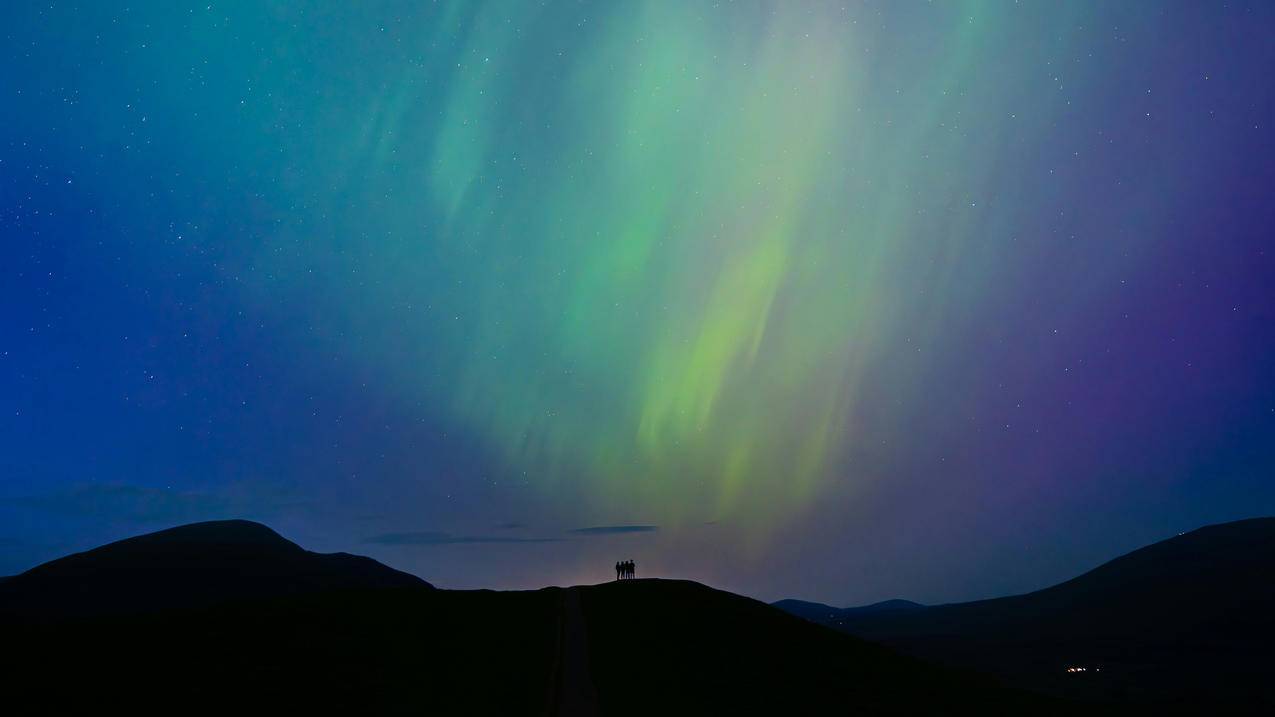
(437, 538)
(145, 504)
(128, 502)
(615, 529)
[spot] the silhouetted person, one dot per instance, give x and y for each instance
(632, 569)
(619, 570)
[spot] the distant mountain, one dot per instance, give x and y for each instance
(190, 566)
(230, 617)
(1187, 621)
(813, 611)
(818, 612)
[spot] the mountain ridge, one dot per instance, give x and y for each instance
(1182, 624)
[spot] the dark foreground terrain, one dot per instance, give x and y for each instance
(1187, 625)
(230, 617)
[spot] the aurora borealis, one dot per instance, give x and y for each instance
(842, 300)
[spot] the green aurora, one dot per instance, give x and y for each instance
(847, 300)
(655, 254)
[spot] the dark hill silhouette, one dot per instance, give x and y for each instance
(1186, 621)
(190, 566)
(387, 644)
(661, 646)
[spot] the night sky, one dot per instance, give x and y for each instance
(838, 301)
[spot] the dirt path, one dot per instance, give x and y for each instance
(574, 693)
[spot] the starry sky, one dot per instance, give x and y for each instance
(834, 300)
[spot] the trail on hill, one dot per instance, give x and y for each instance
(574, 693)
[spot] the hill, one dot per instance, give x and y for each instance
(391, 645)
(656, 643)
(1186, 621)
(191, 566)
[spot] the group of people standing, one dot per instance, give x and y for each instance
(625, 570)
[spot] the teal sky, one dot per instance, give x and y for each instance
(844, 300)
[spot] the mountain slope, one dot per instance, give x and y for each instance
(190, 566)
(1185, 620)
